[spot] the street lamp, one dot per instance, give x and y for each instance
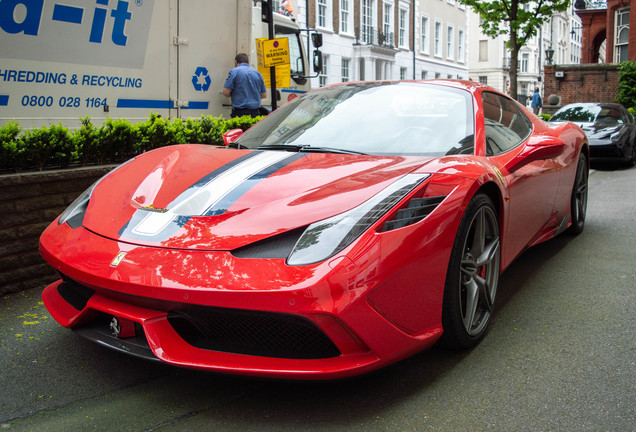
(549, 53)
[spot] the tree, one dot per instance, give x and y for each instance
(519, 19)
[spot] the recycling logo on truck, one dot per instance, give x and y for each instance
(201, 80)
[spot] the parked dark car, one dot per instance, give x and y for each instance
(610, 128)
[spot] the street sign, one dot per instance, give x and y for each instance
(272, 52)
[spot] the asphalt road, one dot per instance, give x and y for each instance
(560, 356)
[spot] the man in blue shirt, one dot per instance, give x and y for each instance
(537, 103)
(246, 88)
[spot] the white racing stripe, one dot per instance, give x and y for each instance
(210, 193)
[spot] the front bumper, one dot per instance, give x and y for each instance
(309, 322)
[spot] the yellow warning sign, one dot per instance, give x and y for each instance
(272, 52)
(283, 72)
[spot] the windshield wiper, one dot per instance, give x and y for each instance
(288, 147)
(308, 149)
(311, 149)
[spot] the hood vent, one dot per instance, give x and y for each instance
(278, 246)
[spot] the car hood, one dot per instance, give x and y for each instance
(597, 130)
(210, 198)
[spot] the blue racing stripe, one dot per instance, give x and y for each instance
(227, 201)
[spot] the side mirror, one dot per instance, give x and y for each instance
(316, 39)
(317, 61)
(231, 136)
(537, 148)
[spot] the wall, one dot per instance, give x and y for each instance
(580, 83)
(28, 203)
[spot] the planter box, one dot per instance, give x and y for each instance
(29, 202)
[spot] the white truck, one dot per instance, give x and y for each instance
(65, 59)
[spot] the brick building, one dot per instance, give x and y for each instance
(606, 28)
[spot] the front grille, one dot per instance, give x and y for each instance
(265, 334)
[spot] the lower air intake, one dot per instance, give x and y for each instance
(265, 334)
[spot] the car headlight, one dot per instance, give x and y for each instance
(74, 213)
(616, 136)
(325, 238)
(77, 208)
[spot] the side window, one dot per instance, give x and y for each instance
(506, 125)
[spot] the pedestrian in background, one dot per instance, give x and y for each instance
(245, 86)
(537, 103)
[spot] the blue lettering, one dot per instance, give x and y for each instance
(99, 19)
(69, 14)
(85, 79)
(121, 15)
(10, 11)
(28, 76)
(31, 23)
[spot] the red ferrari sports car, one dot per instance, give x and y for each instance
(351, 228)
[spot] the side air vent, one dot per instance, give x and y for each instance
(278, 246)
(75, 294)
(417, 209)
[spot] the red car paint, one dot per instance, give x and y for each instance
(377, 300)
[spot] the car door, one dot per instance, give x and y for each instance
(531, 188)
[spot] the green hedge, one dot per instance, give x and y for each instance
(116, 140)
(627, 84)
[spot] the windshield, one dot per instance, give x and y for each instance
(296, 63)
(396, 118)
(579, 113)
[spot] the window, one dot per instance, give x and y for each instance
(367, 21)
(622, 35)
(344, 70)
(346, 17)
(322, 78)
(321, 20)
(437, 75)
(387, 23)
(295, 50)
(483, 50)
(450, 42)
(323, 14)
(424, 74)
(524, 62)
(438, 39)
(506, 126)
(483, 79)
(403, 28)
(425, 41)
(460, 46)
(402, 73)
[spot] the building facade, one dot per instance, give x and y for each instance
(388, 39)
(607, 36)
(489, 58)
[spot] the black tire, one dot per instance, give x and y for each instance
(632, 159)
(472, 276)
(578, 200)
